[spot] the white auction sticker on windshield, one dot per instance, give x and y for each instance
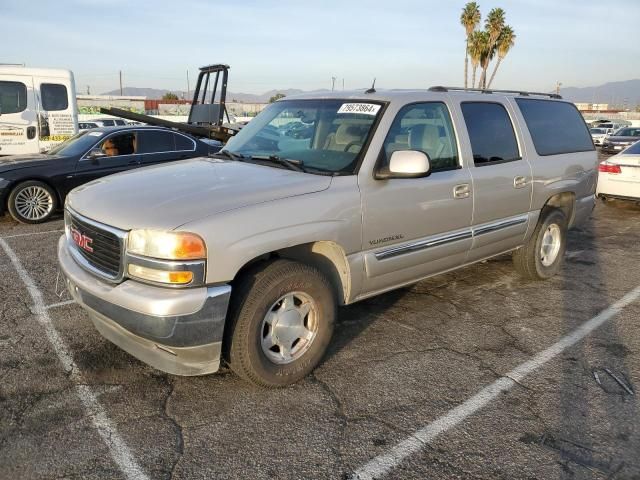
(95, 134)
(362, 108)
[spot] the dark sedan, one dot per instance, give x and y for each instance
(33, 187)
(620, 140)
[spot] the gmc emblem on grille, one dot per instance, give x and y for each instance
(81, 240)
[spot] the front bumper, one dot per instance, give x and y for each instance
(176, 331)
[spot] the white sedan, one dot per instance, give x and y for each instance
(619, 175)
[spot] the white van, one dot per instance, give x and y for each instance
(37, 109)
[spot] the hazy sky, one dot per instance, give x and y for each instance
(302, 44)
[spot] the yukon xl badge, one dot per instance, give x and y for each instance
(82, 241)
(380, 241)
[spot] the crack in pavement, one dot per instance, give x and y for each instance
(176, 426)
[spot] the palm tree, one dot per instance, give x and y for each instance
(493, 26)
(470, 18)
(505, 42)
(477, 45)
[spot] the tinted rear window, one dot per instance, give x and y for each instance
(555, 127)
(13, 97)
(156, 141)
(54, 97)
(491, 133)
(633, 149)
(183, 143)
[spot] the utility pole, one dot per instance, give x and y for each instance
(343, 84)
(558, 85)
(188, 88)
(120, 82)
(88, 90)
(333, 83)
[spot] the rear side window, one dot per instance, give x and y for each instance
(13, 97)
(555, 127)
(54, 97)
(184, 143)
(156, 141)
(491, 133)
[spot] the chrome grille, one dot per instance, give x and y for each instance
(105, 253)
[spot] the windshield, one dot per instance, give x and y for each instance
(597, 130)
(628, 132)
(326, 135)
(76, 145)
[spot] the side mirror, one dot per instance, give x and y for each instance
(96, 154)
(407, 164)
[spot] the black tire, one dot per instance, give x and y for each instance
(14, 196)
(254, 295)
(528, 259)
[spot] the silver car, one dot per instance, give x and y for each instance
(321, 201)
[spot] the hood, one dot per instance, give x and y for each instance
(19, 161)
(167, 196)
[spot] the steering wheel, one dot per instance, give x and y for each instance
(351, 144)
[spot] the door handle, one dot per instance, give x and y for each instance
(519, 182)
(462, 191)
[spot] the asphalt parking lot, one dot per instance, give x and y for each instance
(72, 405)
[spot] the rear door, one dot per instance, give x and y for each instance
(18, 118)
(502, 178)
(158, 146)
(57, 115)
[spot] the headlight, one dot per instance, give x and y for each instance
(166, 245)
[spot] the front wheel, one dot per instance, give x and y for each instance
(32, 202)
(542, 255)
(282, 315)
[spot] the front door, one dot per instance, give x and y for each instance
(18, 118)
(57, 116)
(416, 227)
(120, 155)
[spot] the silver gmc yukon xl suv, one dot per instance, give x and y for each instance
(320, 201)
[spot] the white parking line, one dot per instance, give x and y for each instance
(95, 411)
(32, 233)
(380, 466)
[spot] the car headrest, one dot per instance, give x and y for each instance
(423, 137)
(347, 133)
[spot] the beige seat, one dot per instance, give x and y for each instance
(426, 138)
(344, 135)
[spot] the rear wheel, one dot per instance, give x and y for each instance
(282, 315)
(542, 256)
(32, 202)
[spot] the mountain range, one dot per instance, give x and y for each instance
(624, 93)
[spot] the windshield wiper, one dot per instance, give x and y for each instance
(289, 163)
(228, 154)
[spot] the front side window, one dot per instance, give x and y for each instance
(121, 144)
(326, 135)
(555, 127)
(13, 97)
(628, 132)
(184, 143)
(425, 127)
(54, 97)
(490, 132)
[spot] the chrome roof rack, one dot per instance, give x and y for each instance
(523, 93)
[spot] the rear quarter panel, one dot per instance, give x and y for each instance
(576, 173)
